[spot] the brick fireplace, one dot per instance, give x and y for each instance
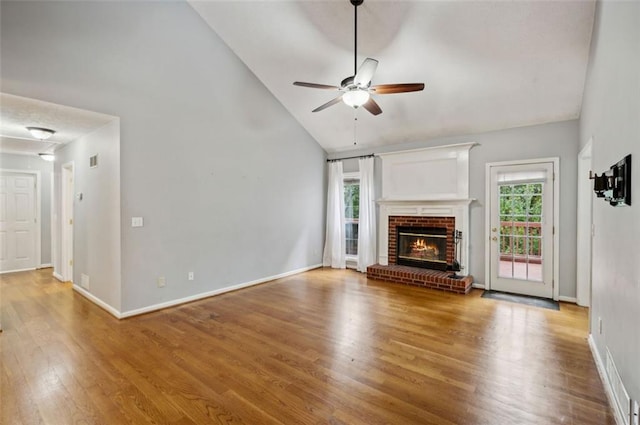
(450, 215)
(420, 276)
(446, 223)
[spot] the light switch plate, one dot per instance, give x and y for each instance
(137, 222)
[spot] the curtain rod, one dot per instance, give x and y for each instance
(371, 155)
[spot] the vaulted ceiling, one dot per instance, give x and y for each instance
(487, 65)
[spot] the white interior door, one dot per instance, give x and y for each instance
(66, 257)
(521, 233)
(18, 221)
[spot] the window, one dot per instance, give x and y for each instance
(521, 231)
(351, 212)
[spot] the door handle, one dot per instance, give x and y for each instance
(494, 229)
(494, 238)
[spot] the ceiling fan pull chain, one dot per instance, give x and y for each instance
(355, 129)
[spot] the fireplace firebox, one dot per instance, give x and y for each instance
(424, 247)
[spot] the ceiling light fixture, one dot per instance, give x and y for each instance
(41, 133)
(47, 156)
(356, 97)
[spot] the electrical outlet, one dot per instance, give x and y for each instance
(600, 325)
(190, 276)
(635, 413)
(162, 282)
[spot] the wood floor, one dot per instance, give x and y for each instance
(323, 347)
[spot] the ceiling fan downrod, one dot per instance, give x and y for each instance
(355, 4)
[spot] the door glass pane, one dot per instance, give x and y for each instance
(520, 231)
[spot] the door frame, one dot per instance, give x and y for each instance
(556, 217)
(38, 229)
(584, 227)
(66, 210)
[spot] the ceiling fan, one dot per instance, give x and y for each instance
(356, 90)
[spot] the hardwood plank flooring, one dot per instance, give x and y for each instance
(323, 347)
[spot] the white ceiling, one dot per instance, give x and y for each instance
(18, 112)
(487, 65)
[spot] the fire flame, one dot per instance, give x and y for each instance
(421, 248)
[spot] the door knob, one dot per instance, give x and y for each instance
(494, 229)
(494, 238)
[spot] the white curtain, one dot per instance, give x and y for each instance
(334, 245)
(367, 218)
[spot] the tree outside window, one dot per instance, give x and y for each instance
(351, 214)
(521, 217)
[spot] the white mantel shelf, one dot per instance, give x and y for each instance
(438, 201)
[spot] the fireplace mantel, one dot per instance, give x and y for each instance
(411, 203)
(428, 182)
(457, 208)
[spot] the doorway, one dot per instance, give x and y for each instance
(66, 214)
(19, 220)
(522, 210)
(584, 228)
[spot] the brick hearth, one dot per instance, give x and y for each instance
(434, 279)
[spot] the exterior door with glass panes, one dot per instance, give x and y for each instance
(521, 236)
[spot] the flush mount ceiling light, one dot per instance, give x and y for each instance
(47, 156)
(41, 133)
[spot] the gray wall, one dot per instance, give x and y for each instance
(611, 115)
(230, 186)
(96, 220)
(34, 163)
(540, 141)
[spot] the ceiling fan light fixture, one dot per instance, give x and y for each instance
(41, 133)
(355, 98)
(47, 156)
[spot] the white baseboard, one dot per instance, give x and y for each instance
(196, 297)
(16, 271)
(564, 299)
(602, 371)
(97, 301)
(477, 285)
(45, 266)
(58, 276)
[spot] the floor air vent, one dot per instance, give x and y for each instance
(623, 402)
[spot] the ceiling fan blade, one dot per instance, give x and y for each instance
(397, 88)
(365, 72)
(329, 103)
(371, 106)
(316, 86)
